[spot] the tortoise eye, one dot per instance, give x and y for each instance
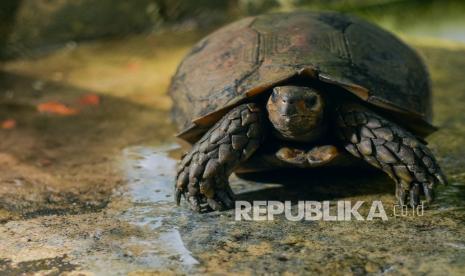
(310, 101)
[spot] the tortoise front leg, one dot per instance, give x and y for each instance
(203, 172)
(392, 149)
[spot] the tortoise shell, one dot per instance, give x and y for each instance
(249, 56)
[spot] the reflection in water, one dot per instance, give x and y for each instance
(150, 175)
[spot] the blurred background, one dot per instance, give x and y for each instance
(29, 27)
(83, 94)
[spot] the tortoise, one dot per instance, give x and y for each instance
(301, 89)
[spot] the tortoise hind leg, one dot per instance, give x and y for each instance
(316, 157)
(203, 172)
(392, 149)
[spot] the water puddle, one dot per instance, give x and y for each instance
(143, 229)
(150, 176)
(151, 173)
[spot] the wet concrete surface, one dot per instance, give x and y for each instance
(92, 193)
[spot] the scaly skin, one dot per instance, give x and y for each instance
(392, 149)
(203, 172)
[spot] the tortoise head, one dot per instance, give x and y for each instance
(296, 112)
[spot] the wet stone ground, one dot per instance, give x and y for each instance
(91, 193)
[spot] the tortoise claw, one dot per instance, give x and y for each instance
(415, 195)
(194, 203)
(429, 193)
(441, 178)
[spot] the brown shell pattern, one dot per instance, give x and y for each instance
(251, 55)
